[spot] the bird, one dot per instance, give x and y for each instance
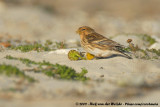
(99, 45)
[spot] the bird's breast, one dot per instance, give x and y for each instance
(101, 53)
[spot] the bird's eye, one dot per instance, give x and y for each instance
(83, 29)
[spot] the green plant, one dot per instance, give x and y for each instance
(54, 70)
(60, 45)
(157, 52)
(48, 42)
(10, 70)
(145, 37)
(30, 47)
(47, 46)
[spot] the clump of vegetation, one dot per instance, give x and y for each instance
(47, 46)
(60, 45)
(31, 47)
(147, 38)
(48, 43)
(127, 49)
(157, 52)
(54, 70)
(10, 70)
(75, 55)
(143, 54)
(26, 61)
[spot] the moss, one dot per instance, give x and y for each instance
(10, 70)
(54, 70)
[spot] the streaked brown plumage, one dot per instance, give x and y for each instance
(97, 44)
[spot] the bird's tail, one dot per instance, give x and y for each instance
(129, 57)
(122, 51)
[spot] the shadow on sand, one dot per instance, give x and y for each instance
(115, 55)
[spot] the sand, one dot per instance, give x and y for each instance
(115, 79)
(125, 80)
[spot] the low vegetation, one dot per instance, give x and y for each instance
(47, 46)
(10, 70)
(148, 40)
(54, 70)
(142, 53)
(26, 48)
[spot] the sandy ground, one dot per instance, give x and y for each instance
(115, 79)
(125, 80)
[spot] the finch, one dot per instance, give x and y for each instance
(98, 45)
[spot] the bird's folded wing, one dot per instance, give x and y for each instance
(102, 42)
(110, 44)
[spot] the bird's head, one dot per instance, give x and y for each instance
(85, 30)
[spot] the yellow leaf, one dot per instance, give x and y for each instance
(89, 56)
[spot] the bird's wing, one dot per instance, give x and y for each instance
(93, 37)
(103, 42)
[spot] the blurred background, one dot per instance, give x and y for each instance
(59, 19)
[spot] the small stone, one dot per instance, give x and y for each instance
(101, 68)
